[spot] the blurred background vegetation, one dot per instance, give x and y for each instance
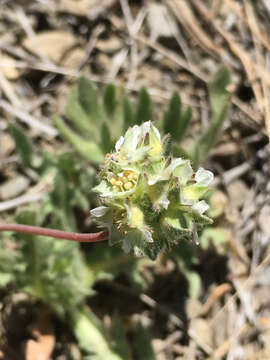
(74, 75)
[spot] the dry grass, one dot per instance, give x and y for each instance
(46, 45)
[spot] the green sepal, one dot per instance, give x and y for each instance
(175, 227)
(195, 216)
(102, 188)
(194, 191)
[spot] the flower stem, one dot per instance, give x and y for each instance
(58, 234)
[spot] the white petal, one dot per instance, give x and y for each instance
(155, 179)
(204, 177)
(156, 132)
(119, 143)
(174, 164)
(126, 246)
(201, 207)
(146, 127)
(99, 211)
(136, 132)
(147, 235)
(186, 173)
(138, 252)
(168, 171)
(165, 202)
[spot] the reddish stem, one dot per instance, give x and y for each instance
(58, 234)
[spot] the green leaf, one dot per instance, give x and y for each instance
(128, 113)
(218, 93)
(194, 283)
(77, 114)
(172, 116)
(144, 347)
(179, 151)
(186, 116)
(88, 149)
(23, 144)
(10, 261)
(55, 270)
(80, 200)
(88, 98)
(107, 262)
(59, 195)
(119, 337)
(92, 336)
(26, 215)
(109, 99)
(216, 236)
(106, 142)
(66, 163)
(220, 104)
(175, 119)
(144, 107)
(184, 256)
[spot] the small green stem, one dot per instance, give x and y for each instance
(58, 234)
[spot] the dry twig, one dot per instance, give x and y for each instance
(28, 119)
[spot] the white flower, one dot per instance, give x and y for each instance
(147, 127)
(154, 180)
(186, 173)
(99, 211)
(174, 164)
(150, 201)
(203, 177)
(136, 132)
(201, 207)
(119, 143)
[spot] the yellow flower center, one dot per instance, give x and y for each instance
(124, 181)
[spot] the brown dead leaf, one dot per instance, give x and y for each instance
(193, 308)
(185, 16)
(203, 330)
(77, 7)
(7, 145)
(74, 58)
(219, 203)
(160, 21)
(110, 45)
(238, 192)
(226, 149)
(42, 347)
(53, 44)
(9, 69)
(14, 187)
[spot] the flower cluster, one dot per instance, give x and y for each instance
(150, 201)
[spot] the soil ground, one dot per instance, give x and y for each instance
(45, 46)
